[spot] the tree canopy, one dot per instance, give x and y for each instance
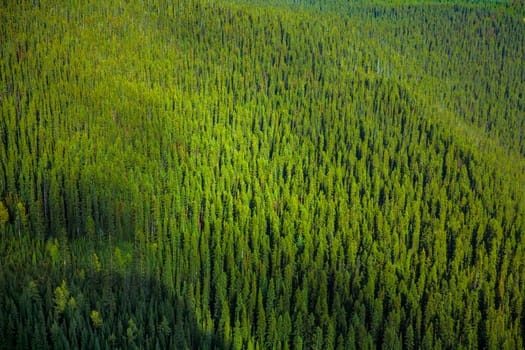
(261, 174)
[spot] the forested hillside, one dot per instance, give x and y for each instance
(262, 175)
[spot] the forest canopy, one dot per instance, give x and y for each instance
(262, 174)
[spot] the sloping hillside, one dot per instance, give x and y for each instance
(201, 174)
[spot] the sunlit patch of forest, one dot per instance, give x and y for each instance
(262, 174)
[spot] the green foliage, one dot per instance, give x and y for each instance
(262, 174)
(4, 215)
(61, 298)
(96, 319)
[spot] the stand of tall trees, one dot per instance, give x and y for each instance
(199, 174)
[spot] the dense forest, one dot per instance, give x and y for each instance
(262, 174)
